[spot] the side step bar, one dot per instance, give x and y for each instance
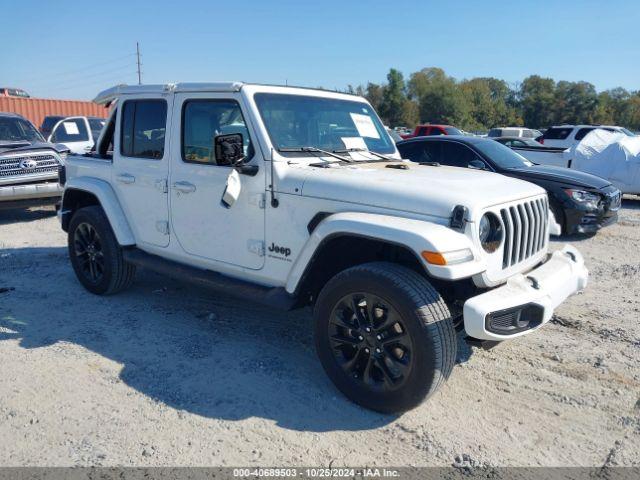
(276, 297)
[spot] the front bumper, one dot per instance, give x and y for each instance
(582, 219)
(29, 191)
(526, 302)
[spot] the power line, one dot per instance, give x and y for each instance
(84, 68)
(92, 75)
(108, 81)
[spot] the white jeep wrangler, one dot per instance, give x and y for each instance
(295, 197)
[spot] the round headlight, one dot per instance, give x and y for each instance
(490, 232)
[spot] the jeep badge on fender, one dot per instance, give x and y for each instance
(280, 250)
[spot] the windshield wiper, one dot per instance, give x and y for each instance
(383, 157)
(315, 150)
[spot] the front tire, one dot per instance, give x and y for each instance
(384, 336)
(95, 254)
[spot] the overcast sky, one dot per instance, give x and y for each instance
(69, 49)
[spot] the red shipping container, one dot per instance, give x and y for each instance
(35, 109)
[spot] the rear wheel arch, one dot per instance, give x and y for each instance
(94, 192)
(73, 200)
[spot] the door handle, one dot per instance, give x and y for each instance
(125, 178)
(184, 187)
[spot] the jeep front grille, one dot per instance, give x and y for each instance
(526, 230)
(16, 166)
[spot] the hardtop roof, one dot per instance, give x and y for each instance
(109, 95)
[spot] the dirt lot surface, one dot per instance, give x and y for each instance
(168, 374)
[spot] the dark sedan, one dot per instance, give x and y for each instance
(580, 202)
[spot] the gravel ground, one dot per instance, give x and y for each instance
(169, 374)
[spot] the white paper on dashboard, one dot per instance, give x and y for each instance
(71, 128)
(365, 125)
(354, 142)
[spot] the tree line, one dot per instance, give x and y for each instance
(431, 96)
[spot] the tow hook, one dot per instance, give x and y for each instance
(571, 255)
(534, 282)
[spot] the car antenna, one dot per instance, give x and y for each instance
(274, 200)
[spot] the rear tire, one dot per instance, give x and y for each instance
(384, 336)
(95, 254)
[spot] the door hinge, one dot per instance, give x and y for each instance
(258, 200)
(163, 227)
(162, 185)
(256, 246)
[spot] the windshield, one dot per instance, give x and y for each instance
(628, 133)
(502, 156)
(13, 129)
(324, 123)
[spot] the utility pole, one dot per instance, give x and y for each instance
(138, 55)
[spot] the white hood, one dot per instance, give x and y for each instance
(421, 189)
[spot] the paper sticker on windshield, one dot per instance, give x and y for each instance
(71, 128)
(365, 125)
(354, 142)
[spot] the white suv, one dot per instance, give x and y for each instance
(566, 136)
(77, 133)
(514, 132)
(293, 197)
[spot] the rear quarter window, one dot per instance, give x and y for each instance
(583, 133)
(557, 133)
(510, 132)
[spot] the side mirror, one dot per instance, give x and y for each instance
(477, 164)
(229, 149)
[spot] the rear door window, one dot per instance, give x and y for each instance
(420, 152)
(557, 133)
(457, 155)
(142, 128)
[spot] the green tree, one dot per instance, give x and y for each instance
(537, 101)
(374, 93)
(576, 102)
(393, 99)
(438, 97)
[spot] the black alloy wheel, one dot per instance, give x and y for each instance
(370, 341)
(88, 250)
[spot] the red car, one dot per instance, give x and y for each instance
(431, 130)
